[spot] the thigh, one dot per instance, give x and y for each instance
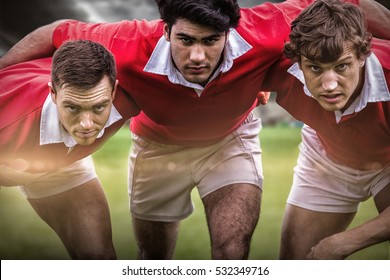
(302, 229)
(81, 218)
(237, 205)
(382, 199)
(232, 215)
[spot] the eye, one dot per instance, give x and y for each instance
(342, 67)
(99, 108)
(186, 41)
(71, 109)
(314, 68)
(210, 41)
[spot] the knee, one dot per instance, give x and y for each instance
(154, 254)
(92, 251)
(230, 252)
(94, 254)
(237, 248)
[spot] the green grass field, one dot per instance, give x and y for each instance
(25, 236)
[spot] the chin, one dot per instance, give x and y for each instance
(331, 107)
(196, 79)
(86, 142)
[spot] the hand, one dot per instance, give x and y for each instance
(329, 248)
(10, 176)
(263, 97)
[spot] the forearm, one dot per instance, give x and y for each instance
(341, 245)
(378, 18)
(37, 44)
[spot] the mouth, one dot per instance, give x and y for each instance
(331, 98)
(197, 69)
(86, 134)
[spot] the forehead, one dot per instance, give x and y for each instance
(186, 27)
(78, 95)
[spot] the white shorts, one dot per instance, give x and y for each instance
(161, 177)
(39, 185)
(322, 185)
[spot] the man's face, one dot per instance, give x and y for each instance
(84, 113)
(334, 85)
(196, 50)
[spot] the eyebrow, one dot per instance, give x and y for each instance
(215, 35)
(78, 105)
(348, 57)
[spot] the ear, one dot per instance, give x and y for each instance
(166, 32)
(52, 92)
(227, 37)
(362, 62)
(300, 63)
(115, 88)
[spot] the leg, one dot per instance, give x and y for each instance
(156, 240)
(302, 229)
(81, 219)
(376, 230)
(382, 199)
(232, 215)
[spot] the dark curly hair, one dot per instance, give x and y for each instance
(220, 15)
(321, 31)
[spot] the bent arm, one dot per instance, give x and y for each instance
(37, 44)
(378, 18)
(341, 245)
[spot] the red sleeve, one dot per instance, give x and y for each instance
(125, 104)
(23, 89)
(102, 33)
(278, 79)
(292, 8)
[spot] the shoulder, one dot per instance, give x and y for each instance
(125, 29)
(381, 48)
(23, 89)
(269, 24)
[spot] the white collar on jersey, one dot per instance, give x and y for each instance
(374, 89)
(51, 130)
(160, 62)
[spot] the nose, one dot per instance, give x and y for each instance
(329, 81)
(197, 54)
(86, 121)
